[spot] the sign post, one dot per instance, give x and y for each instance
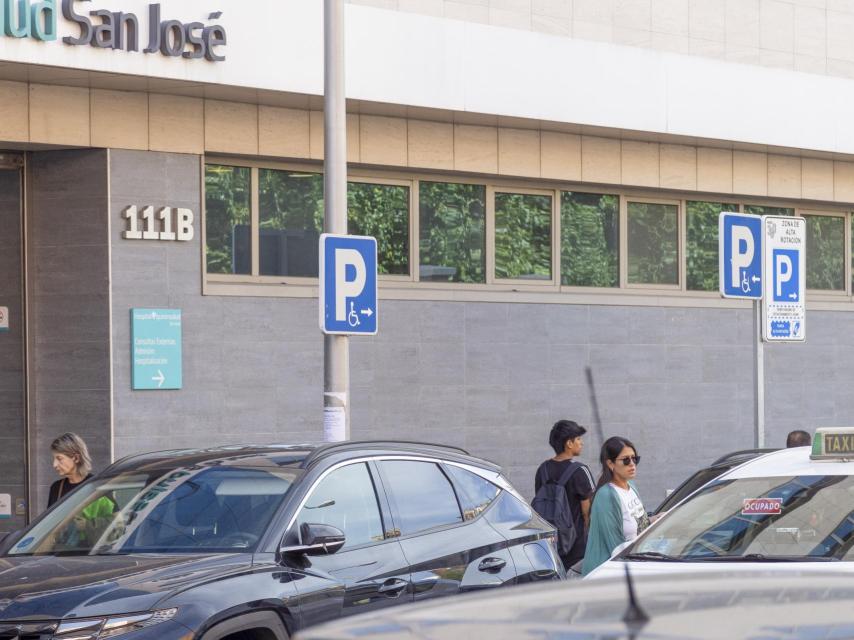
(336, 348)
(740, 276)
(785, 266)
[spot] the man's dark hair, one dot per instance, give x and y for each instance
(798, 438)
(563, 431)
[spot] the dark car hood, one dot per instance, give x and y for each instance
(53, 587)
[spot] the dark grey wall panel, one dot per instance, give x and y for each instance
(68, 267)
(12, 412)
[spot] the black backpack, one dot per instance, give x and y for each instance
(552, 503)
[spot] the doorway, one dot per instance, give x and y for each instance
(14, 474)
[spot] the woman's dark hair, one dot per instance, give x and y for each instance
(611, 448)
(563, 431)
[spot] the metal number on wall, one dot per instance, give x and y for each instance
(167, 223)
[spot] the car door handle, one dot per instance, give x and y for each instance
(393, 587)
(492, 565)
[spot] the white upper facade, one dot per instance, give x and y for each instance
(461, 66)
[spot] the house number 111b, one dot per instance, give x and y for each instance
(168, 223)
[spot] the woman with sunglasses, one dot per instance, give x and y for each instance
(617, 514)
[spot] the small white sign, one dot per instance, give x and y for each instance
(784, 318)
(5, 505)
(334, 424)
(4, 318)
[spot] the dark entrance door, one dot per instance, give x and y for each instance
(13, 434)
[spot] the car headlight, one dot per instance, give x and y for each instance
(101, 628)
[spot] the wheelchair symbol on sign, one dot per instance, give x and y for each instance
(353, 317)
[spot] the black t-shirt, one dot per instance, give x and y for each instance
(61, 488)
(579, 487)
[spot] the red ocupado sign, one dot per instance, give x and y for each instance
(762, 506)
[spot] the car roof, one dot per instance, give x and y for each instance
(297, 456)
(790, 462)
(721, 604)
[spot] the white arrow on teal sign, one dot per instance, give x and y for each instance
(156, 349)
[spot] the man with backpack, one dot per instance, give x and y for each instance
(564, 488)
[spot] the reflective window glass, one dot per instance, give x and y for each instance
(768, 211)
(382, 211)
(590, 239)
(653, 255)
(825, 252)
(290, 218)
(423, 495)
(523, 236)
(452, 231)
(346, 499)
(702, 244)
(475, 493)
(228, 219)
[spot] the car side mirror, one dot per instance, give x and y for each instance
(317, 540)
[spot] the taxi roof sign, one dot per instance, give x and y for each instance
(833, 443)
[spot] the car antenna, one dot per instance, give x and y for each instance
(634, 617)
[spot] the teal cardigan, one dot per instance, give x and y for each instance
(606, 528)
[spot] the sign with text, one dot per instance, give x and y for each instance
(4, 318)
(5, 506)
(156, 349)
(740, 255)
(785, 273)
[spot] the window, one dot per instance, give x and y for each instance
(346, 499)
(475, 493)
(768, 211)
(382, 211)
(227, 219)
(590, 239)
(452, 232)
(702, 244)
(523, 236)
(825, 252)
(653, 241)
(422, 494)
(290, 218)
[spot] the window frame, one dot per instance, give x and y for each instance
(806, 212)
(463, 286)
(624, 244)
(553, 283)
(570, 288)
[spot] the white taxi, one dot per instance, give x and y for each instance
(790, 507)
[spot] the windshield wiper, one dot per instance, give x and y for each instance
(652, 555)
(761, 557)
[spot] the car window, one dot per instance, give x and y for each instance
(185, 510)
(475, 493)
(691, 485)
(422, 494)
(346, 499)
(796, 517)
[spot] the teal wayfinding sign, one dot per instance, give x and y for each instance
(156, 348)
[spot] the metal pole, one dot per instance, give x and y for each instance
(336, 349)
(759, 374)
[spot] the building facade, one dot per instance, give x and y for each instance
(544, 179)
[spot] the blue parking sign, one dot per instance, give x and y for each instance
(786, 283)
(348, 284)
(740, 255)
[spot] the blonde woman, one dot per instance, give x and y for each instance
(72, 462)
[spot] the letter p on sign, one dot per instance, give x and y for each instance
(345, 285)
(742, 252)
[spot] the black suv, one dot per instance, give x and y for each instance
(252, 543)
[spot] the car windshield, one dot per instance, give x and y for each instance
(786, 518)
(201, 509)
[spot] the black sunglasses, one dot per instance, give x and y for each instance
(629, 459)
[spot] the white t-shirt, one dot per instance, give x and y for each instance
(635, 519)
